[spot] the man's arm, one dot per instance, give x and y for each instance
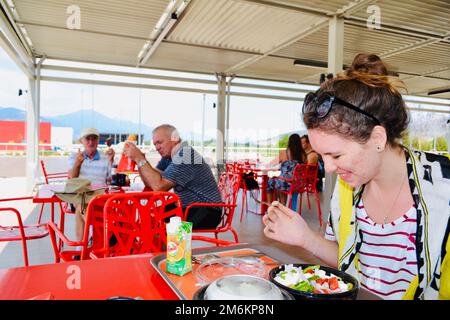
(74, 172)
(150, 176)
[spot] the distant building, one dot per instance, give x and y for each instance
(116, 137)
(14, 132)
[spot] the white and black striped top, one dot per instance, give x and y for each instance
(387, 256)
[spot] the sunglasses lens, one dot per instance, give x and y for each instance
(307, 102)
(324, 106)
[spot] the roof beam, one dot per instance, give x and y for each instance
(10, 41)
(290, 6)
(304, 33)
(13, 17)
(413, 46)
(426, 74)
(160, 87)
(166, 78)
(170, 16)
(353, 6)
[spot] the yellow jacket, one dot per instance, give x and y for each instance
(434, 208)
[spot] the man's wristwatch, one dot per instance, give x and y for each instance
(141, 163)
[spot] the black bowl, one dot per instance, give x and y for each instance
(200, 294)
(303, 295)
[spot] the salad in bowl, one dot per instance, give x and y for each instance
(314, 282)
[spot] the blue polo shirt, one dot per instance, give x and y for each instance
(97, 169)
(193, 178)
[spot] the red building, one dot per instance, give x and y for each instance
(15, 132)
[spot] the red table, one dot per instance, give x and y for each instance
(264, 174)
(46, 194)
(129, 276)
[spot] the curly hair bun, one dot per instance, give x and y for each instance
(368, 63)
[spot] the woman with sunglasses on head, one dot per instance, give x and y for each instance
(389, 221)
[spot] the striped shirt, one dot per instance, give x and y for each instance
(387, 256)
(97, 169)
(193, 178)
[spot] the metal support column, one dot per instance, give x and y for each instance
(335, 63)
(32, 132)
(227, 118)
(221, 106)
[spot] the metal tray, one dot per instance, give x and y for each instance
(186, 286)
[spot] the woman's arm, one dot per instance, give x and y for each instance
(312, 158)
(287, 226)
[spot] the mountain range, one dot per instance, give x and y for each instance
(81, 119)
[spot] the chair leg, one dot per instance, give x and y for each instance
(25, 251)
(217, 238)
(309, 203)
(300, 205)
(243, 204)
(40, 213)
(319, 210)
(235, 235)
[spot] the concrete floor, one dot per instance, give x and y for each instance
(249, 231)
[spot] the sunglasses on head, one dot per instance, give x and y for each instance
(321, 105)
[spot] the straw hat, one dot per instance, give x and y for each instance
(89, 132)
(78, 191)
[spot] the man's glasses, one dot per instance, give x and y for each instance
(323, 103)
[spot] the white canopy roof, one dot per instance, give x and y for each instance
(246, 38)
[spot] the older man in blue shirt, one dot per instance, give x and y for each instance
(183, 169)
(92, 165)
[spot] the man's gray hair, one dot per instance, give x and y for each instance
(171, 131)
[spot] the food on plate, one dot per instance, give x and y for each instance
(311, 279)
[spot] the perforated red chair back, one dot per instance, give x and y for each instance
(136, 222)
(304, 178)
(93, 239)
(229, 184)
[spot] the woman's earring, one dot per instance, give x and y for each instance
(378, 148)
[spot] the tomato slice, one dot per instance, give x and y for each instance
(333, 283)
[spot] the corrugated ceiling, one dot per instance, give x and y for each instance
(252, 38)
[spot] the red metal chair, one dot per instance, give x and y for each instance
(247, 174)
(120, 224)
(138, 222)
(94, 227)
(229, 184)
(55, 177)
(51, 177)
(304, 180)
(21, 232)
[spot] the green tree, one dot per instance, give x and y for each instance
(283, 142)
(441, 144)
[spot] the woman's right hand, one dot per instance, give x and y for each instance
(285, 225)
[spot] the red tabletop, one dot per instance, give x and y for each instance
(130, 276)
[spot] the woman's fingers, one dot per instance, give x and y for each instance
(286, 211)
